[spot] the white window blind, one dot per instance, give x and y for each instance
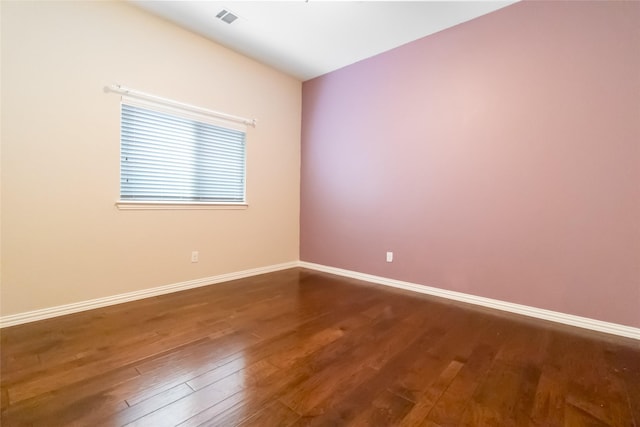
(172, 156)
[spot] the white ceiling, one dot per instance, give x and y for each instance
(308, 39)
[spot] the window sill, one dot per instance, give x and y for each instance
(138, 205)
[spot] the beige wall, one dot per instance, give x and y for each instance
(63, 241)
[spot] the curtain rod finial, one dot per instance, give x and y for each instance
(112, 88)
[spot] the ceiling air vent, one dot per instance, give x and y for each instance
(226, 16)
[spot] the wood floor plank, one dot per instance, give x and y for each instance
(324, 387)
(311, 344)
(237, 408)
(183, 358)
(276, 415)
(577, 417)
(489, 407)
(64, 374)
(419, 375)
(453, 402)
(387, 409)
(183, 409)
(549, 402)
(626, 363)
(426, 400)
(349, 408)
(141, 409)
(66, 403)
(148, 385)
(4, 399)
(229, 411)
(303, 348)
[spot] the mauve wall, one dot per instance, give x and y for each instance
(499, 158)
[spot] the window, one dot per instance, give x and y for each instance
(172, 156)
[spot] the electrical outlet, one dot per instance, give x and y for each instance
(389, 256)
(195, 256)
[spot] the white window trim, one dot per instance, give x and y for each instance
(177, 108)
(128, 205)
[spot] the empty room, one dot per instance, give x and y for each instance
(316, 213)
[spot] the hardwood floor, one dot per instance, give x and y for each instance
(302, 348)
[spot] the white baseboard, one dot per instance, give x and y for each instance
(61, 310)
(554, 316)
